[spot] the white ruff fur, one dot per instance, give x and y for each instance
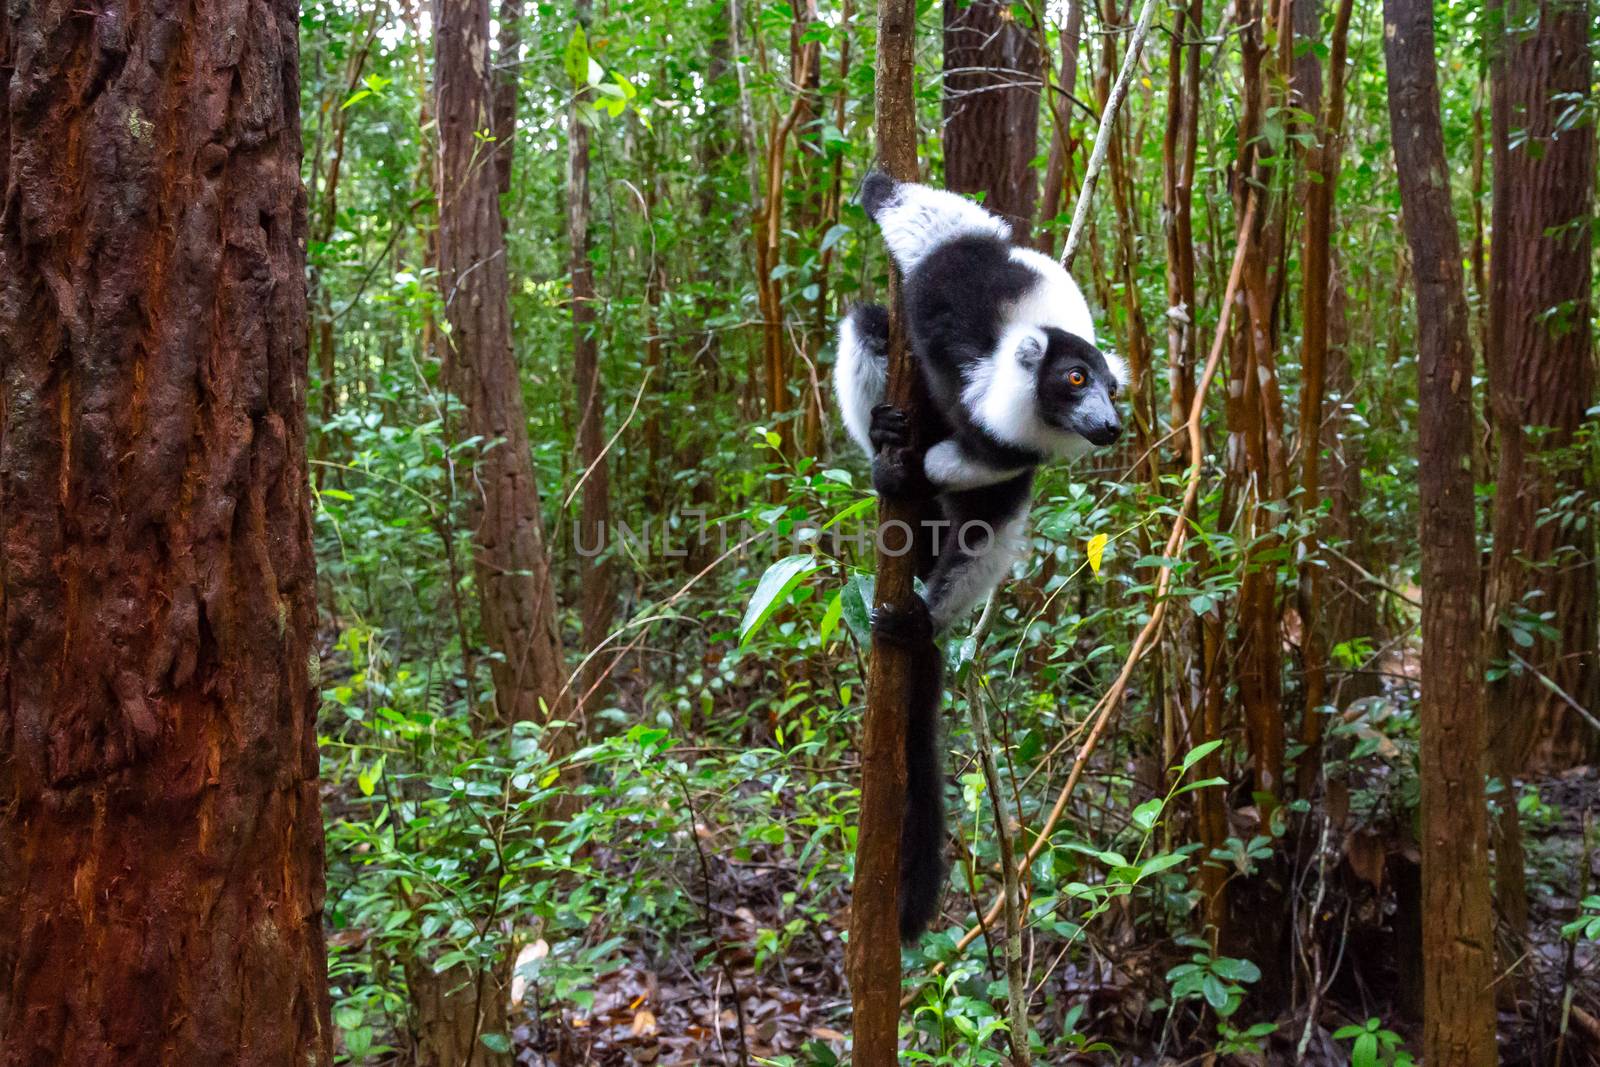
(918, 219)
(858, 383)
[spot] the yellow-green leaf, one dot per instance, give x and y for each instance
(1097, 551)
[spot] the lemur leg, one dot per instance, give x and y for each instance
(965, 574)
(861, 369)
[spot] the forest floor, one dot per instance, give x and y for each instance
(680, 1010)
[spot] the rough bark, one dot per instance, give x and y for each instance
(507, 79)
(516, 598)
(160, 831)
(874, 953)
(993, 72)
(1457, 933)
(597, 600)
(1542, 375)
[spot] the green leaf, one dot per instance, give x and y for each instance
(857, 597)
(1198, 753)
(1157, 864)
(1215, 992)
(496, 1042)
(367, 779)
(1145, 815)
(830, 619)
(1204, 783)
(1365, 1053)
(773, 589)
(575, 59)
(1235, 970)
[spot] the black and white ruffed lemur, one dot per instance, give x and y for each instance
(1005, 345)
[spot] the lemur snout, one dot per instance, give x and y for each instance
(1106, 433)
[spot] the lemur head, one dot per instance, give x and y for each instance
(1048, 390)
(1075, 386)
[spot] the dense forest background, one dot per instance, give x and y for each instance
(589, 620)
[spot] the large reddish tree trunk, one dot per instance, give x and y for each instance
(993, 72)
(160, 832)
(1457, 924)
(516, 598)
(1542, 378)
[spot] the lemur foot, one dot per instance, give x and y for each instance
(910, 626)
(896, 468)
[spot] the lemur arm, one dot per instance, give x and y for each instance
(951, 468)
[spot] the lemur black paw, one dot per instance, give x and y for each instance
(910, 626)
(890, 428)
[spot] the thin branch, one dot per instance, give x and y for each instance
(1102, 138)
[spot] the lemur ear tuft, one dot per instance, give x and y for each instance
(1030, 351)
(877, 189)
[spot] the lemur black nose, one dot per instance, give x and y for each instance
(1106, 433)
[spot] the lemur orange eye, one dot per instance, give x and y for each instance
(1076, 379)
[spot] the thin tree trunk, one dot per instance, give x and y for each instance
(1180, 146)
(161, 884)
(1062, 143)
(1136, 343)
(507, 80)
(517, 600)
(1315, 295)
(326, 215)
(873, 959)
(1254, 375)
(1542, 373)
(1457, 925)
(597, 602)
(769, 252)
(993, 68)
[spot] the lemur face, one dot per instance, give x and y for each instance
(1076, 389)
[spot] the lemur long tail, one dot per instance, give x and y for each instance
(922, 835)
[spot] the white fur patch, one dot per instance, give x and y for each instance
(918, 219)
(1054, 300)
(1001, 393)
(858, 383)
(1118, 368)
(948, 467)
(965, 586)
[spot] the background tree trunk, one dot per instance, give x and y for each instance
(1062, 143)
(1541, 374)
(1316, 294)
(510, 564)
(160, 828)
(993, 72)
(1457, 926)
(598, 596)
